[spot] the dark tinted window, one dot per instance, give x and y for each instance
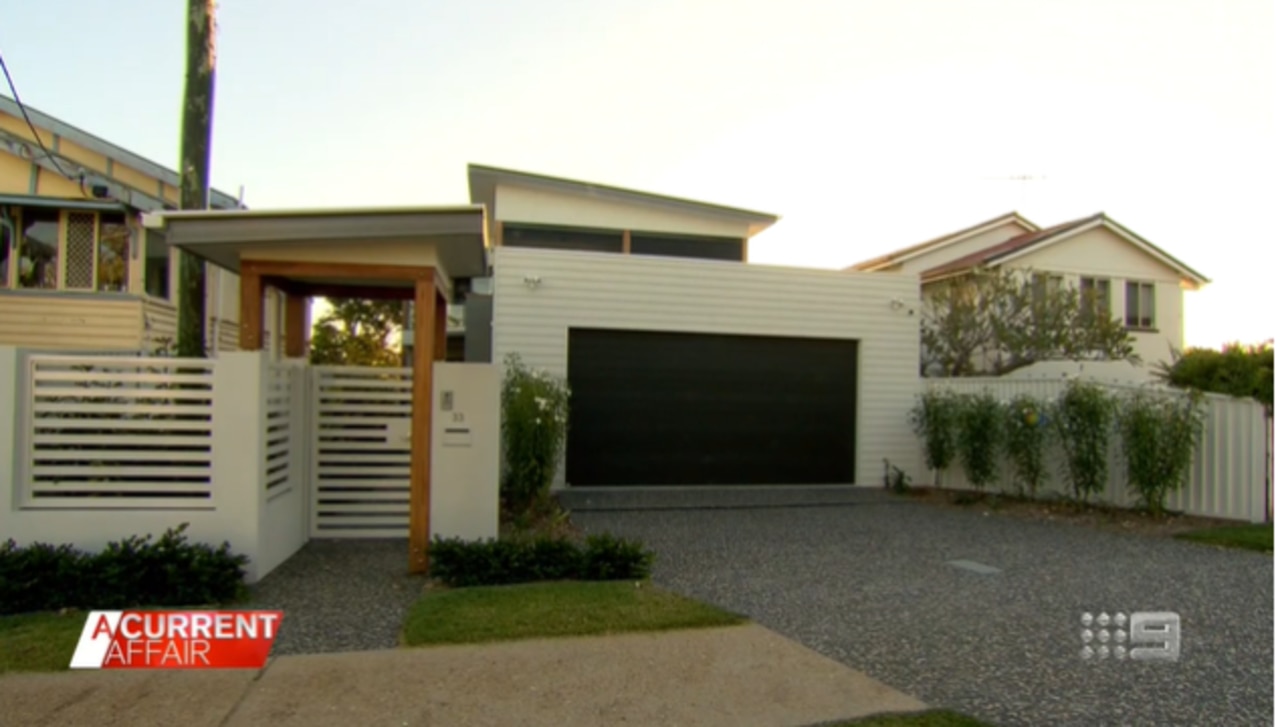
(562, 239)
(710, 248)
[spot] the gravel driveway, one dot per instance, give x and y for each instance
(870, 585)
(340, 595)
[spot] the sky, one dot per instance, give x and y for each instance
(866, 125)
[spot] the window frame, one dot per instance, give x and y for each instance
(19, 242)
(1136, 323)
(1094, 283)
(9, 246)
(20, 246)
(1044, 284)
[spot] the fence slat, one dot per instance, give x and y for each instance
(104, 431)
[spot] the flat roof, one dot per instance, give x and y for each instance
(457, 232)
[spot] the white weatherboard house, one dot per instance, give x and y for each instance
(688, 366)
(1141, 284)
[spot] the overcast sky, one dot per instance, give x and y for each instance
(866, 125)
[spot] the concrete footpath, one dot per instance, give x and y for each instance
(737, 675)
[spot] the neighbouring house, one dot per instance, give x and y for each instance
(77, 269)
(1141, 284)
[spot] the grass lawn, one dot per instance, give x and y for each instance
(930, 718)
(39, 642)
(1249, 537)
(539, 610)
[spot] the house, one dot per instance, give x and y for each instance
(688, 364)
(1141, 284)
(537, 211)
(77, 269)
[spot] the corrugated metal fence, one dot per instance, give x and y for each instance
(1229, 473)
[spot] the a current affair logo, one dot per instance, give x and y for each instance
(176, 639)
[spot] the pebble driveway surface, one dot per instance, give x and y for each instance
(340, 595)
(999, 636)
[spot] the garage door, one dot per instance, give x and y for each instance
(661, 408)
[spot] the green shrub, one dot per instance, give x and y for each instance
(1026, 432)
(1084, 420)
(1160, 434)
(978, 437)
(129, 573)
(607, 558)
(934, 419)
(535, 415)
(496, 562)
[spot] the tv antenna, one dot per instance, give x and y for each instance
(1023, 181)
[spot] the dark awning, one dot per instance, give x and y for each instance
(25, 200)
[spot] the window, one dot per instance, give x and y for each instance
(1095, 295)
(77, 269)
(1045, 284)
(562, 239)
(72, 250)
(7, 252)
(1140, 305)
(708, 248)
(113, 253)
(38, 249)
(156, 265)
(97, 252)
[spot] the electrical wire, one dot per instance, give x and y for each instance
(48, 154)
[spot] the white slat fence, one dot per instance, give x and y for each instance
(102, 432)
(360, 465)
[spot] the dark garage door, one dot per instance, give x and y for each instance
(667, 408)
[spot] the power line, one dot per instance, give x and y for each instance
(17, 99)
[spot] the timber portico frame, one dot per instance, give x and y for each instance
(306, 253)
(297, 280)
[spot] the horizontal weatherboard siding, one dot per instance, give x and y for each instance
(60, 321)
(584, 290)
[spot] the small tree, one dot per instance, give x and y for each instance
(357, 333)
(1160, 433)
(535, 416)
(1083, 420)
(979, 436)
(934, 419)
(1026, 431)
(955, 327)
(996, 321)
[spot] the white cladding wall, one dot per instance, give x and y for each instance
(666, 294)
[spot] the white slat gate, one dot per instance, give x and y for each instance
(360, 481)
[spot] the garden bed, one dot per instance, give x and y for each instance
(1116, 519)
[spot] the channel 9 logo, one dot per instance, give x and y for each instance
(1138, 636)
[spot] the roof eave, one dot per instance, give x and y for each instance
(1102, 220)
(924, 248)
(482, 180)
(97, 144)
